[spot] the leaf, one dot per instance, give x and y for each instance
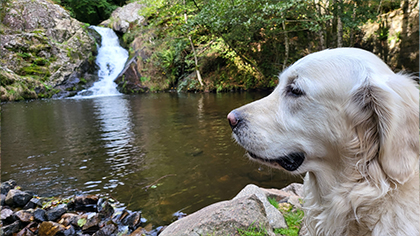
(81, 222)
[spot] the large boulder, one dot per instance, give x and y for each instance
(125, 17)
(223, 218)
(41, 47)
(249, 209)
(130, 80)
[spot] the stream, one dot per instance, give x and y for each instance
(161, 153)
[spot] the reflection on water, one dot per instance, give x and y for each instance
(159, 153)
(113, 114)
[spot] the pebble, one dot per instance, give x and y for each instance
(56, 212)
(18, 198)
(40, 215)
(6, 186)
(11, 229)
(22, 214)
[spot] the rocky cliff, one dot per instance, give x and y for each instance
(43, 51)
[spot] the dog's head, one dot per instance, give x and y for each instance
(331, 108)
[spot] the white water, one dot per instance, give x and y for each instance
(111, 59)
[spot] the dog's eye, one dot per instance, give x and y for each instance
(292, 90)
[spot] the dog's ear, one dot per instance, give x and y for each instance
(385, 120)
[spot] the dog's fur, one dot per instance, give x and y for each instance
(352, 125)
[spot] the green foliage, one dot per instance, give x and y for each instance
(293, 218)
(247, 35)
(273, 202)
(90, 11)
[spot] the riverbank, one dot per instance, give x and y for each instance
(25, 213)
(253, 211)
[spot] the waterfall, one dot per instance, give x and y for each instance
(111, 59)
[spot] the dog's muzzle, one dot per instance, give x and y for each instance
(289, 162)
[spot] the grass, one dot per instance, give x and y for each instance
(273, 202)
(292, 216)
(293, 221)
(253, 230)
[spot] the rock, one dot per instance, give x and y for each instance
(17, 198)
(33, 203)
(119, 214)
(104, 208)
(84, 203)
(122, 230)
(25, 216)
(223, 218)
(56, 212)
(7, 215)
(41, 46)
(70, 219)
(40, 215)
(10, 229)
(133, 220)
(70, 230)
(92, 223)
(292, 194)
(49, 228)
(123, 17)
(274, 216)
(2, 198)
(25, 232)
(128, 80)
(106, 230)
(6, 186)
(139, 232)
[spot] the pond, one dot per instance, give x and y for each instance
(161, 153)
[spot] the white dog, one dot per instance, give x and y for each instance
(344, 118)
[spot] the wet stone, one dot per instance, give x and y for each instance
(2, 198)
(108, 229)
(25, 232)
(17, 198)
(25, 216)
(70, 219)
(92, 223)
(6, 186)
(70, 230)
(33, 203)
(6, 214)
(119, 214)
(40, 215)
(56, 212)
(84, 203)
(105, 208)
(49, 228)
(133, 220)
(122, 230)
(11, 229)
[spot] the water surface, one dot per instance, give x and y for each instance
(159, 153)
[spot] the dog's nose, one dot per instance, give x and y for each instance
(233, 119)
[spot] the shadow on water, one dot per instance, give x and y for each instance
(159, 153)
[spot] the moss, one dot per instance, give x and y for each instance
(39, 47)
(34, 70)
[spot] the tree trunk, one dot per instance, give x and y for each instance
(352, 29)
(321, 33)
(286, 46)
(339, 25)
(193, 49)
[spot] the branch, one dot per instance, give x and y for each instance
(150, 185)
